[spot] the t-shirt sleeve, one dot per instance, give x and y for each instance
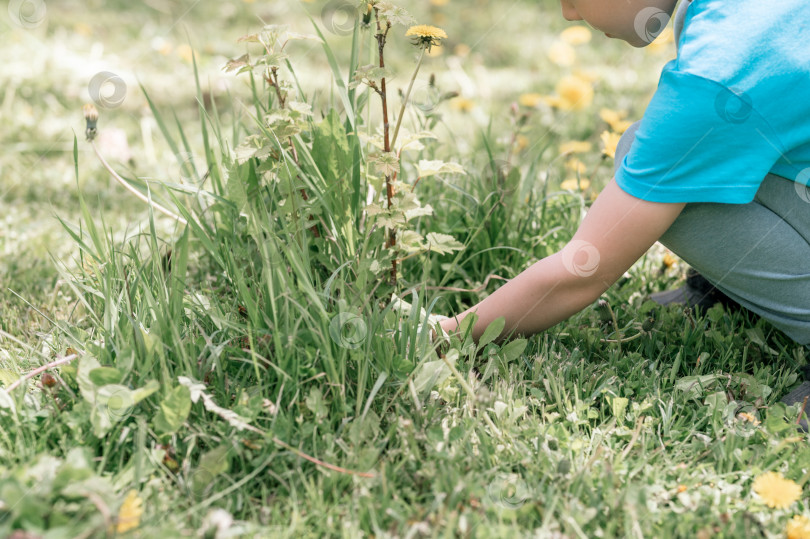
(698, 142)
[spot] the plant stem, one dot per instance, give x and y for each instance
(134, 191)
(389, 187)
(407, 95)
(272, 80)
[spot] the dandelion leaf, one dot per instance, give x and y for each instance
(330, 149)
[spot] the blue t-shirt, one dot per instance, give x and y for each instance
(732, 107)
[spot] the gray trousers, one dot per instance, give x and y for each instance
(758, 254)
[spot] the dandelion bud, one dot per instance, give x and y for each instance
(48, 380)
(91, 116)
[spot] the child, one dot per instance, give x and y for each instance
(716, 170)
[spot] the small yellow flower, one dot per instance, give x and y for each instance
(530, 100)
(576, 35)
(610, 141)
(572, 184)
(438, 18)
(576, 93)
(798, 527)
(129, 516)
(576, 165)
(776, 491)
(681, 488)
(575, 146)
(461, 50)
(668, 260)
(745, 416)
(462, 104)
(426, 36)
(83, 29)
(185, 53)
(562, 54)
(521, 143)
(615, 120)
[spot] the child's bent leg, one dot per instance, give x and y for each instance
(758, 254)
(752, 254)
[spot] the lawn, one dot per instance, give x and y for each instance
(224, 359)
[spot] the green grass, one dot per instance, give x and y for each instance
(253, 379)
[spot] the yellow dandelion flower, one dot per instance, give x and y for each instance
(681, 488)
(745, 416)
(610, 141)
(575, 146)
(462, 104)
(622, 126)
(461, 50)
(576, 35)
(129, 516)
(83, 29)
(615, 120)
(521, 143)
(554, 101)
(798, 527)
(426, 36)
(668, 260)
(776, 491)
(576, 93)
(576, 165)
(530, 100)
(562, 54)
(438, 18)
(185, 53)
(572, 184)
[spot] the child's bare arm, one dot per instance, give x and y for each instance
(617, 231)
